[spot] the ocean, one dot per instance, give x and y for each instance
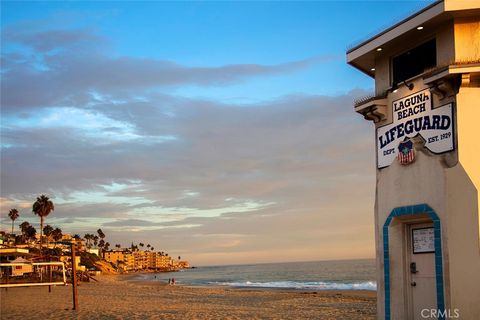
(315, 275)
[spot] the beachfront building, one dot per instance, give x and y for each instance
(140, 259)
(136, 260)
(22, 267)
(122, 259)
(67, 259)
(7, 239)
(159, 261)
(113, 256)
(10, 254)
(425, 111)
(129, 261)
(95, 251)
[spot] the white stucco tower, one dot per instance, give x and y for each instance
(426, 115)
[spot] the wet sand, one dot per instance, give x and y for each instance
(113, 297)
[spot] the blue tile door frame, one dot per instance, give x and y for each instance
(410, 211)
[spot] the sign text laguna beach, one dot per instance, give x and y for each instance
(414, 115)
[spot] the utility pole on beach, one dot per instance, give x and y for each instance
(74, 276)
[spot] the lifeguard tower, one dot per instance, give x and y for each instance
(426, 114)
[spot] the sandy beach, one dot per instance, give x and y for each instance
(115, 298)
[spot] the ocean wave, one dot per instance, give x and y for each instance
(320, 285)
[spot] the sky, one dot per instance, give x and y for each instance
(222, 132)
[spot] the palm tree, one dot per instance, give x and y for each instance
(118, 246)
(30, 232)
(106, 246)
(179, 258)
(47, 231)
(23, 227)
(42, 208)
(101, 243)
(57, 235)
(134, 247)
(95, 240)
(13, 214)
(88, 237)
(141, 244)
(101, 234)
(76, 237)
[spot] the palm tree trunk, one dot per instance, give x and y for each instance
(41, 234)
(12, 225)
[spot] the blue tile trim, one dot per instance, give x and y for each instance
(413, 210)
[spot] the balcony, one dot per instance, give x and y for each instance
(444, 81)
(372, 107)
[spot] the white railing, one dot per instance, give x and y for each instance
(29, 284)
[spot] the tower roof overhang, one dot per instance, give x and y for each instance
(362, 56)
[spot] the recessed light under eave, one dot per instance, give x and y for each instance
(379, 49)
(419, 28)
(372, 69)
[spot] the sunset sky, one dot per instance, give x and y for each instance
(223, 132)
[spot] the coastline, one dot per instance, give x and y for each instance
(329, 292)
(114, 297)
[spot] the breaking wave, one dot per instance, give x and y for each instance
(320, 285)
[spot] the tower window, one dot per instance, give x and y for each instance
(414, 61)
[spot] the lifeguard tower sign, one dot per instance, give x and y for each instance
(414, 115)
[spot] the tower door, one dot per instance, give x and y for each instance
(421, 269)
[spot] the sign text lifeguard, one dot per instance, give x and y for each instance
(413, 115)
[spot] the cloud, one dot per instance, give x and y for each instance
(304, 154)
(216, 143)
(128, 223)
(54, 66)
(46, 41)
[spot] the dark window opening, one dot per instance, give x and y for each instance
(414, 61)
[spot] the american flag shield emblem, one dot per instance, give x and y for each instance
(406, 152)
